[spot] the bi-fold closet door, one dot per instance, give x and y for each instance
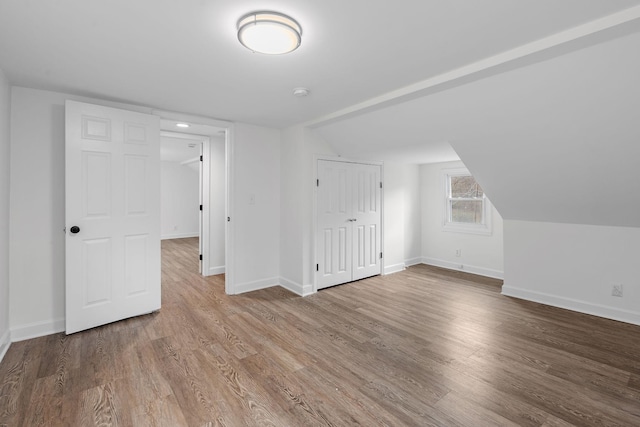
(349, 220)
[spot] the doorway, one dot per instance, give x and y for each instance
(208, 157)
(181, 193)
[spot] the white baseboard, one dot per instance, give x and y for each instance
(481, 271)
(178, 236)
(5, 342)
(296, 288)
(216, 270)
(412, 261)
(37, 329)
(607, 312)
(241, 288)
(390, 269)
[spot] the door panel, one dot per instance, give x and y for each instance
(96, 272)
(113, 196)
(96, 179)
(135, 268)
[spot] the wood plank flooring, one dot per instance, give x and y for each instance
(421, 347)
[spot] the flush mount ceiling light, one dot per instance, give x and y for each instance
(271, 33)
(182, 125)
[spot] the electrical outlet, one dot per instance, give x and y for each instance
(617, 290)
(458, 252)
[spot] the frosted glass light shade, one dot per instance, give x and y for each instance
(271, 33)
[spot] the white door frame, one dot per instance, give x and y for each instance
(229, 132)
(205, 184)
(314, 221)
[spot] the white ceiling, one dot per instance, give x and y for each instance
(184, 56)
(360, 59)
(179, 149)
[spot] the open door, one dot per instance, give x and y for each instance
(112, 215)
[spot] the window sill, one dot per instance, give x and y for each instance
(467, 229)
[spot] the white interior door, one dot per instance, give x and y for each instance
(334, 223)
(112, 215)
(349, 218)
(366, 190)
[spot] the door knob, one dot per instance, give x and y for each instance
(75, 229)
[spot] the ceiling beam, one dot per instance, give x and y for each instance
(594, 32)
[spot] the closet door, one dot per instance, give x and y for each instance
(334, 223)
(349, 218)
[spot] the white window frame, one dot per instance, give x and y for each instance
(459, 227)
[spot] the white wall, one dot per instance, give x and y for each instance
(292, 193)
(402, 223)
(581, 263)
(5, 118)
(412, 215)
(480, 254)
(297, 264)
(179, 200)
(256, 207)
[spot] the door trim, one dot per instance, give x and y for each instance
(314, 209)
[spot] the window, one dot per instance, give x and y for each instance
(466, 206)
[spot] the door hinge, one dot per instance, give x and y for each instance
(380, 184)
(380, 255)
(200, 158)
(317, 267)
(200, 257)
(317, 183)
(200, 207)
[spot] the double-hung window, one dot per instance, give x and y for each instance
(466, 209)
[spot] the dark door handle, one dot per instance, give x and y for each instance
(75, 229)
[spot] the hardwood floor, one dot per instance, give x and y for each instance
(421, 347)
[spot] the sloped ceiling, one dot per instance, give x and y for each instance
(556, 141)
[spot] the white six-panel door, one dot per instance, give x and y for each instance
(348, 218)
(113, 200)
(367, 219)
(334, 223)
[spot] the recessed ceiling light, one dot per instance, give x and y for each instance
(182, 125)
(269, 32)
(301, 92)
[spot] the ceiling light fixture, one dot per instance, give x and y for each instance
(271, 33)
(182, 125)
